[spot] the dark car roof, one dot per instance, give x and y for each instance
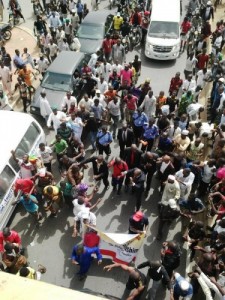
(96, 17)
(64, 62)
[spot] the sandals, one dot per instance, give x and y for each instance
(42, 269)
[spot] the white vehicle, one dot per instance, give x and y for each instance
(163, 36)
(22, 133)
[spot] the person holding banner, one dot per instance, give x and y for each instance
(138, 223)
(136, 282)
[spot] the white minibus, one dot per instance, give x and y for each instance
(163, 36)
(22, 133)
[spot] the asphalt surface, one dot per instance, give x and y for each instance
(51, 244)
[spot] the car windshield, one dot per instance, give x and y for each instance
(57, 82)
(162, 29)
(91, 31)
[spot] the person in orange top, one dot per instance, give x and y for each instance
(25, 74)
(110, 94)
(161, 100)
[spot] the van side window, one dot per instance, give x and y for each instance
(25, 144)
(6, 179)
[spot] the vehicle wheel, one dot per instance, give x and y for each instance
(7, 35)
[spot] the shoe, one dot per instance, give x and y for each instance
(106, 187)
(53, 215)
(118, 193)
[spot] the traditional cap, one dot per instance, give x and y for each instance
(91, 115)
(172, 203)
(138, 216)
(171, 177)
(184, 132)
(85, 214)
(118, 14)
(184, 285)
(97, 92)
(221, 79)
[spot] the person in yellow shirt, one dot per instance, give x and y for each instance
(30, 273)
(117, 21)
(53, 196)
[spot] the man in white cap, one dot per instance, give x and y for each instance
(182, 288)
(185, 178)
(42, 64)
(167, 214)
(171, 190)
(182, 141)
(45, 108)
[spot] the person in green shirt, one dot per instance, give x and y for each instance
(66, 189)
(60, 147)
(186, 99)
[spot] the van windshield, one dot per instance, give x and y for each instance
(6, 179)
(26, 144)
(91, 31)
(160, 29)
(57, 82)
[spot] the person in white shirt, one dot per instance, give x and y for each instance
(84, 217)
(56, 117)
(105, 69)
(26, 167)
(222, 98)
(53, 49)
(208, 171)
(45, 154)
(189, 84)
(67, 102)
(45, 108)
(118, 67)
(194, 110)
(114, 113)
(93, 60)
(149, 104)
(6, 77)
(74, 20)
(101, 83)
(4, 103)
(203, 76)
(26, 56)
(54, 21)
(174, 130)
(86, 102)
(76, 124)
(101, 98)
(185, 178)
(42, 64)
(171, 190)
(217, 43)
(75, 45)
(190, 65)
(63, 46)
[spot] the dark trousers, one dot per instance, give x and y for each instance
(25, 103)
(148, 146)
(122, 148)
(80, 15)
(48, 166)
(203, 188)
(118, 182)
(105, 149)
(161, 225)
(105, 181)
(149, 180)
(138, 196)
(137, 132)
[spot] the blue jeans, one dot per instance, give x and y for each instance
(93, 135)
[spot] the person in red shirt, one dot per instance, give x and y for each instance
(23, 185)
(119, 166)
(9, 236)
(131, 106)
(86, 69)
(175, 83)
(91, 239)
(185, 27)
(203, 59)
(107, 47)
(136, 18)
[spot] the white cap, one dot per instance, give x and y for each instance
(209, 3)
(73, 10)
(221, 79)
(97, 92)
(42, 172)
(85, 214)
(171, 177)
(172, 203)
(184, 132)
(118, 14)
(184, 285)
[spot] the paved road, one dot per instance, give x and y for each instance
(51, 244)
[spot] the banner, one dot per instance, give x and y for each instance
(121, 247)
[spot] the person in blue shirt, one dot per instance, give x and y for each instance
(181, 288)
(30, 203)
(103, 141)
(80, 10)
(151, 132)
(82, 256)
(165, 144)
(139, 120)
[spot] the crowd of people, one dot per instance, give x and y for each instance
(176, 137)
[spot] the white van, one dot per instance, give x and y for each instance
(22, 133)
(163, 37)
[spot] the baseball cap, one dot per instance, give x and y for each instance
(172, 203)
(138, 216)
